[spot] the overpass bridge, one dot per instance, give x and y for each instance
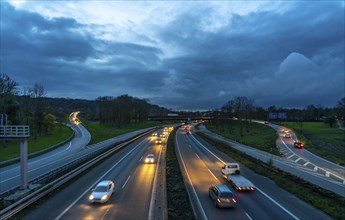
(178, 118)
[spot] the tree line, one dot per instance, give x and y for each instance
(27, 109)
(31, 107)
(124, 110)
(242, 109)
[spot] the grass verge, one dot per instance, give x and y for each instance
(101, 132)
(321, 139)
(179, 206)
(255, 135)
(329, 202)
(11, 149)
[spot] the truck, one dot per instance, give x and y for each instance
(231, 172)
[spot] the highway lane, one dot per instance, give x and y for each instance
(304, 172)
(133, 195)
(10, 176)
(267, 202)
(306, 155)
(199, 178)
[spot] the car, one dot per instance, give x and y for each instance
(287, 135)
(298, 144)
(150, 158)
(102, 192)
(154, 134)
(188, 132)
(266, 122)
(158, 141)
(222, 196)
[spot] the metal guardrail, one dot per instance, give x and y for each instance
(14, 131)
(73, 169)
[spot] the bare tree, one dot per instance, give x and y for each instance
(8, 90)
(37, 92)
(243, 107)
(229, 108)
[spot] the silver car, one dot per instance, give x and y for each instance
(102, 192)
(222, 196)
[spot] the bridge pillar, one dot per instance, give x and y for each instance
(24, 164)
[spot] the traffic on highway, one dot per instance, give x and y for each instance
(133, 179)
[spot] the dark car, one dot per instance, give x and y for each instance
(298, 144)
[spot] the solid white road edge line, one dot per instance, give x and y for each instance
(153, 197)
(190, 181)
(280, 206)
(88, 190)
(35, 161)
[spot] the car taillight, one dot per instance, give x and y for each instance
(233, 200)
(218, 200)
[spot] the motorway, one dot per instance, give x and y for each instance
(303, 156)
(134, 186)
(202, 166)
(10, 175)
(135, 194)
(290, 166)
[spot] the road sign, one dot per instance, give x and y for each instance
(282, 115)
(277, 115)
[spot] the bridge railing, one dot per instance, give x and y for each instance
(15, 131)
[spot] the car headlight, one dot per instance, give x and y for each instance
(146, 161)
(104, 197)
(91, 197)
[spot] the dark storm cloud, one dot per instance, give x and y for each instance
(291, 58)
(244, 57)
(55, 52)
(30, 33)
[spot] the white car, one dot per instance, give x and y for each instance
(150, 158)
(102, 192)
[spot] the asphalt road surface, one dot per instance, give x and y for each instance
(134, 182)
(202, 163)
(297, 168)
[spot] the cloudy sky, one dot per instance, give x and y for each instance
(178, 54)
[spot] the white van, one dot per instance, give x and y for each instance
(231, 168)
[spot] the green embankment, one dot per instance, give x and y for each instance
(255, 135)
(101, 132)
(11, 149)
(321, 139)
